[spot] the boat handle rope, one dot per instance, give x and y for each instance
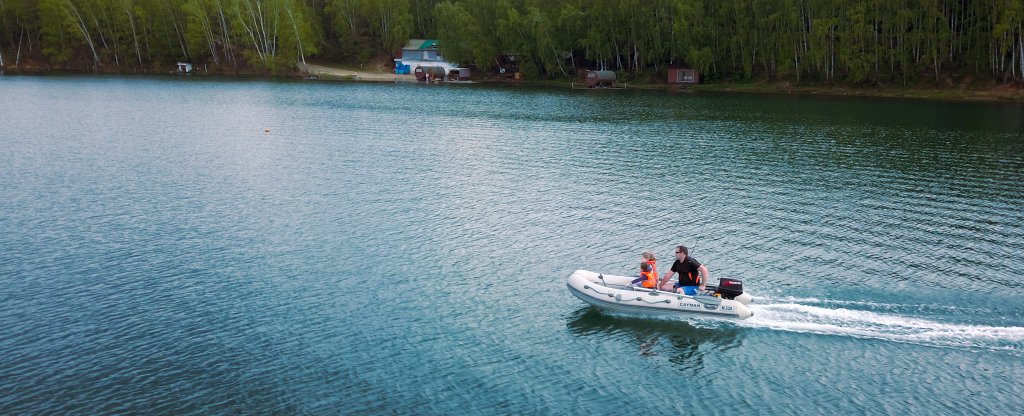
(619, 297)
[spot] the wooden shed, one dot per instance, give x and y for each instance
(683, 76)
(429, 73)
(600, 78)
(458, 74)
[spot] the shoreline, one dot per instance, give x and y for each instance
(967, 95)
(1002, 93)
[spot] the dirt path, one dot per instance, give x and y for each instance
(358, 75)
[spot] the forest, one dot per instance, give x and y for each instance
(862, 42)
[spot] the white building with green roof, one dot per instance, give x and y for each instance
(421, 52)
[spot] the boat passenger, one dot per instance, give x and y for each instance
(648, 257)
(692, 274)
(648, 278)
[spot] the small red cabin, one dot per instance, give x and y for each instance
(683, 76)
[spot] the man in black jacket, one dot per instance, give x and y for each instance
(692, 274)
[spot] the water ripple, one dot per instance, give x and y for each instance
(404, 249)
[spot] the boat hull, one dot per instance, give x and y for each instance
(613, 293)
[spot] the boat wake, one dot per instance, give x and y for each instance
(797, 315)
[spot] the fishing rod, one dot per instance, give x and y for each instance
(701, 233)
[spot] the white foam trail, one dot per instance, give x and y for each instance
(864, 304)
(865, 324)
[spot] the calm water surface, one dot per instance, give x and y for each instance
(404, 249)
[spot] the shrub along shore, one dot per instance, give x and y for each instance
(345, 73)
(931, 48)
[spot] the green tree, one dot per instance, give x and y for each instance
(57, 28)
(467, 32)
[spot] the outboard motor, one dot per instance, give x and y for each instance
(729, 288)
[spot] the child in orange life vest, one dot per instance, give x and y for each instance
(648, 258)
(648, 271)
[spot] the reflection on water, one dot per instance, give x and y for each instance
(685, 342)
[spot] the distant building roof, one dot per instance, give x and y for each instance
(420, 44)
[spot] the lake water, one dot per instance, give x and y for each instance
(403, 249)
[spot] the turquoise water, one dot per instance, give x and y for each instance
(403, 249)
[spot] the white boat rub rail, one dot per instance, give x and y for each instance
(614, 293)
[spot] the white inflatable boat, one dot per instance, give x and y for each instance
(614, 293)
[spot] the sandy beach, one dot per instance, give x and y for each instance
(358, 75)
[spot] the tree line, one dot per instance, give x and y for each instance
(852, 41)
(135, 35)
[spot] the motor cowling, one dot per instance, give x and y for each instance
(729, 288)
